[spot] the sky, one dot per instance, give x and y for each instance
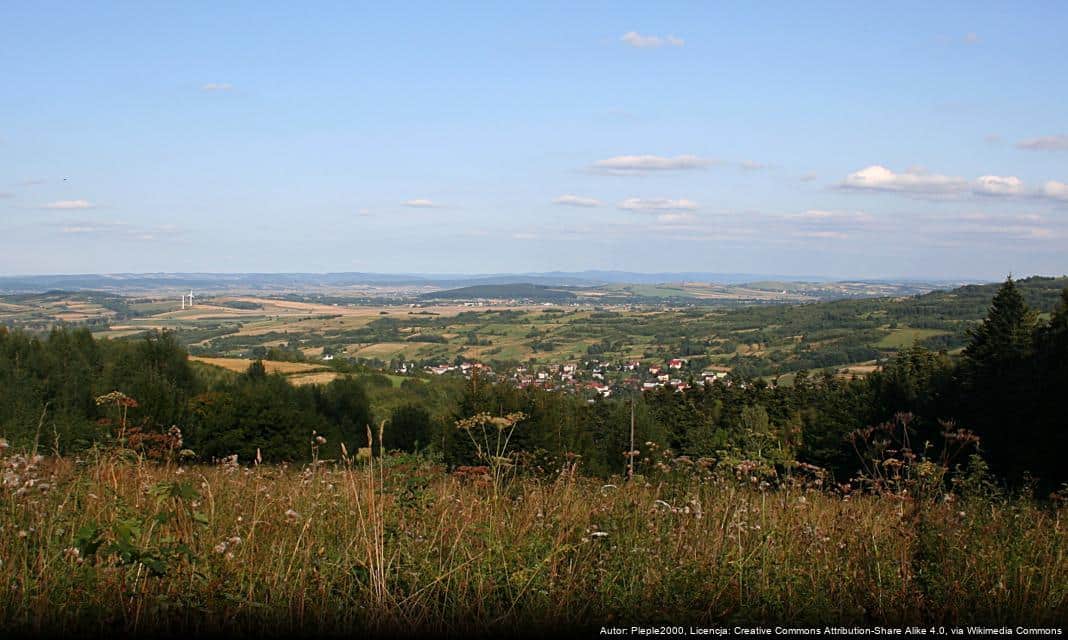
(837, 139)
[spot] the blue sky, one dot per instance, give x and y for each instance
(906, 139)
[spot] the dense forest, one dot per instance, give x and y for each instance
(58, 392)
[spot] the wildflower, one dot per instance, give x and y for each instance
(292, 515)
(23, 533)
(320, 440)
(119, 398)
(220, 548)
(176, 436)
(234, 541)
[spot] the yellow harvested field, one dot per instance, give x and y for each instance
(316, 377)
(858, 370)
(272, 366)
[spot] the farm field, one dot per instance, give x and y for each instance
(904, 337)
(296, 373)
(843, 336)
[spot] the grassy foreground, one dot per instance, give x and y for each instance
(110, 544)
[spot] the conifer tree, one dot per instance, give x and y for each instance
(998, 381)
(1006, 335)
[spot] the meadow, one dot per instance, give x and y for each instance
(110, 542)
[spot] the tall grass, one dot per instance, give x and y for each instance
(113, 543)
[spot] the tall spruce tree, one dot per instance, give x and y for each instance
(998, 376)
(1007, 333)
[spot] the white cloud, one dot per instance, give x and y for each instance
(919, 182)
(217, 86)
(998, 186)
(972, 38)
(629, 165)
(524, 236)
(1055, 190)
(750, 165)
(69, 204)
(421, 203)
(577, 201)
(676, 218)
(879, 178)
(118, 230)
(820, 215)
(829, 235)
(1044, 143)
(656, 205)
(808, 177)
(635, 39)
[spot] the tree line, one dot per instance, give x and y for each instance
(1004, 386)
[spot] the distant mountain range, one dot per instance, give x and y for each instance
(144, 282)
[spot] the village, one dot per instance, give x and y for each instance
(592, 377)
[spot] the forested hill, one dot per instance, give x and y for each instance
(972, 301)
(517, 291)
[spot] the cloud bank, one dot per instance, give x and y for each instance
(571, 200)
(638, 41)
(657, 205)
(69, 204)
(640, 164)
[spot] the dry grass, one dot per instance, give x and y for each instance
(859, 370)
(315, 377)
(332, 548)
(241, 365)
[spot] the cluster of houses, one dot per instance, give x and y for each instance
(464, 368)
(594, 377)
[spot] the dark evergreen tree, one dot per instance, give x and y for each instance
(408, 429)
(996, 377)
